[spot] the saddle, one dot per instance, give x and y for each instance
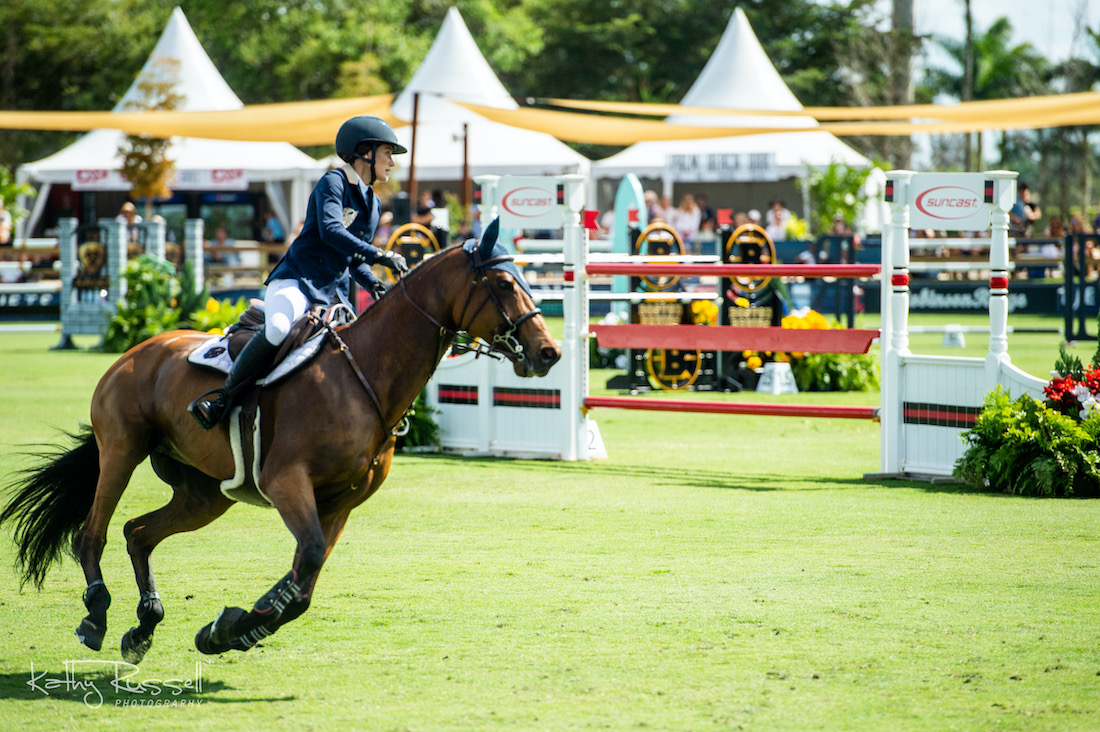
(302, 343)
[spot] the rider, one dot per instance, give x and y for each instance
(341, 220)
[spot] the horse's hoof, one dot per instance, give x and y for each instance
(91, 634)
(217, 637)
(133, 651)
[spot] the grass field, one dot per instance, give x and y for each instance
(713, 573)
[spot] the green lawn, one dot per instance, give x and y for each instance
(714, 572)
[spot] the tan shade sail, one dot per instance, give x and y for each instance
(299, 123)
(316, 122)
(988, 110)
(1032, 113)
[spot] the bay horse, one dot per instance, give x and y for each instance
(327, 437)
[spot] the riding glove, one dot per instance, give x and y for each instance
(393, 260)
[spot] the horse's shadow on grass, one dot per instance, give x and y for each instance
(122, 685)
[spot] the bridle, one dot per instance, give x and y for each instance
(504, 344)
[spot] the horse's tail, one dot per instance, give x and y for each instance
(51, 502)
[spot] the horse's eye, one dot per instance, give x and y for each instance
(504, 285)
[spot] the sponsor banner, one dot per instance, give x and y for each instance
(184, 180)
(949, 202)
(99, 180)
(210, 180)
(528, 202)
(973, 297)
(721, 167)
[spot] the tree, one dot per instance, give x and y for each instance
(85, 62)
(145, 162)
(1001, 70)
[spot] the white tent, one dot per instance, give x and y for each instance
(455, 68)
(93, 162)
(738, 74)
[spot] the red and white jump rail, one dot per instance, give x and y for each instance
(927, 401)
(484, 409)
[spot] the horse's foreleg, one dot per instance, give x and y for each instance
(196, 501)
(89, 542)
(237, 629)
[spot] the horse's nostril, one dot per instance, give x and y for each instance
(549, 355)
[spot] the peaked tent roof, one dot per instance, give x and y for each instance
(203, 89)
(455, 68)
(738, 74)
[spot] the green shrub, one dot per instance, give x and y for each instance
(1025, 448)
(158, 299)
(836, 372)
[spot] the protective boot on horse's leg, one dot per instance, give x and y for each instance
(239, 630)
(211, 408)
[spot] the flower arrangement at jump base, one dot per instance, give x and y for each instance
(820, 371)
(1048, 448)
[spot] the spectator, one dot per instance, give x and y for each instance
(706, 213)
(607, 223)
(273, 230)
(219, 249)
(777, 217)
(754, 217)
(685, 220)
(423, 213)
(664, 211)
(652, 208)
(128, 215)
(1023, 213)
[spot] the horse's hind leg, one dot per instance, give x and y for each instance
(115, 469)
(196, 501)
(238, 629)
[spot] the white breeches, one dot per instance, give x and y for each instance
(284, 303)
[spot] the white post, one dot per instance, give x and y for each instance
(1003, 197)
(575, 312)
(894, 340)
(194, 250)
(487, 209)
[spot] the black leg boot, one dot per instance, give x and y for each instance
(210, 408)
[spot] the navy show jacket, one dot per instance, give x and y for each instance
(341, 220)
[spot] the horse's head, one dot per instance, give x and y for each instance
(506, 317)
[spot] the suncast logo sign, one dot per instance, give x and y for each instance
(529, 202)
(949, 203)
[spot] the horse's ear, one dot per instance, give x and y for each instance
(489, 238)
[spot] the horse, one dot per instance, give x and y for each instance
(327, 438)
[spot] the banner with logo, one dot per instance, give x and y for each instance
(99, 180)
(949, 201)
(210, 180)
(184, 180)
(529, 202)
(721, 168)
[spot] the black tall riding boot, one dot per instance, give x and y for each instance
(210, 408)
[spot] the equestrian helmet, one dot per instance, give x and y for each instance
(364, 129)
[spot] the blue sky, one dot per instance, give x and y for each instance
(1049, 25)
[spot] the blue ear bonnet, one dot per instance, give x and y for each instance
(489, 253)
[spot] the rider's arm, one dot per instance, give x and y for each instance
(345, 238)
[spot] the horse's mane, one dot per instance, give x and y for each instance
(414, 275)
